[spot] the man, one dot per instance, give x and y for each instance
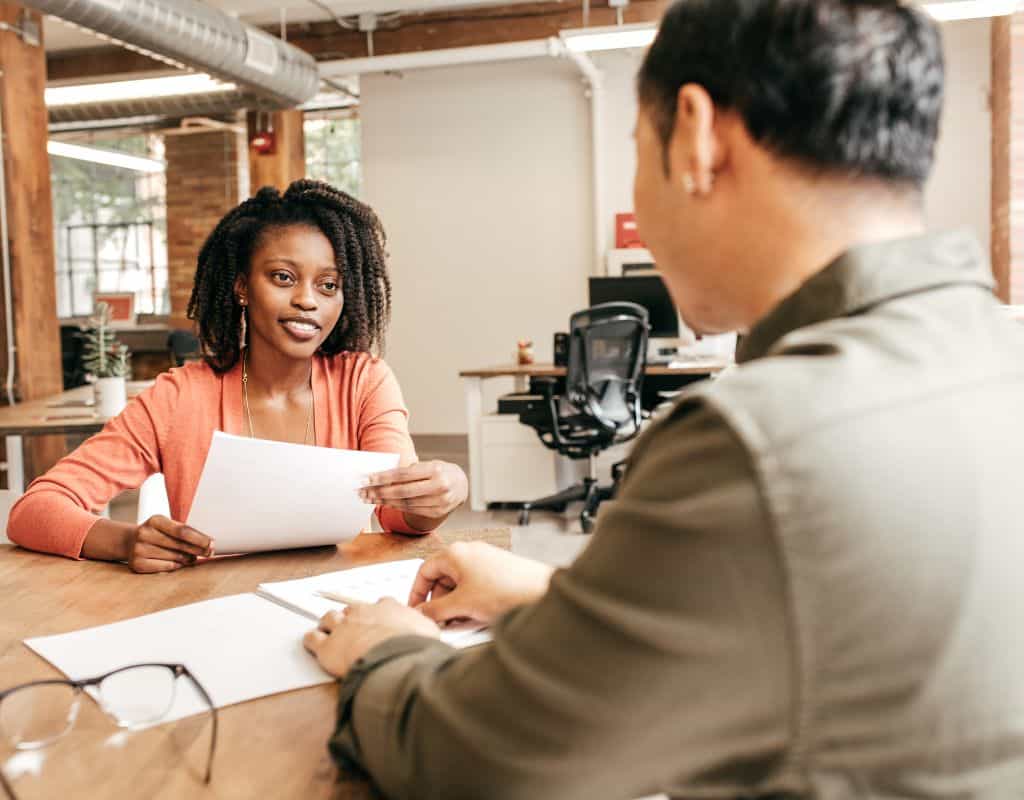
(808, 585)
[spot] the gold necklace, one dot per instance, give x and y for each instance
(248, 411)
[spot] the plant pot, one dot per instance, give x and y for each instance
(111, 396)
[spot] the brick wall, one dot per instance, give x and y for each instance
(203, 179)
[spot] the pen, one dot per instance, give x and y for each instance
(345, 600)
(338, 598)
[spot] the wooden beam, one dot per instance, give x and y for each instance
(1001, 154)
(467, 28)
(108, 62)
(288, 161)
(409, 33)
(29, 224)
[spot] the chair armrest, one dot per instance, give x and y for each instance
(545, 385)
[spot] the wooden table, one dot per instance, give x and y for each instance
(473, 386)
(273, 747)
(66, 412)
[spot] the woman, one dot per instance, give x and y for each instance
(292, 299)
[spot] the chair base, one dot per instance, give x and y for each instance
(588, 491)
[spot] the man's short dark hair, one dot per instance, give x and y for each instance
(846, 86)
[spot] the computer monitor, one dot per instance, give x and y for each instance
(646, 290)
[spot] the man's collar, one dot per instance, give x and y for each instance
(868, 275)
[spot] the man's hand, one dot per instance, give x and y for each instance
(473, 580)
(343, 637)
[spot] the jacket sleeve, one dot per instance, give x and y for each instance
(384, 428)
(656, 661)
(58, 508)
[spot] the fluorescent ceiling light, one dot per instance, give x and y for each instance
(970, 9)
(109, 157)
(146, 88)
(617, 37)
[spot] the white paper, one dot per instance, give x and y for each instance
(255, 494)
(366, 584)
(239, 647)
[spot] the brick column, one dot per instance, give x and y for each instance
(203, 179)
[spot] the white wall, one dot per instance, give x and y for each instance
(959, 192)
(481, 174)
(619, 68)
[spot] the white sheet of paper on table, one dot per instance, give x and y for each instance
(240, 647)
(256, 494)
(367, 584)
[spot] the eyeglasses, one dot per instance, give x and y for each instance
(37, 714)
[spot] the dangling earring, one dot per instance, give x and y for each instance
(242, 327)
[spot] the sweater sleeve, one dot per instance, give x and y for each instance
(384, 428)
(59, 508)
(659, 661)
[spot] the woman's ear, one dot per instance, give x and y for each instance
(241, 289)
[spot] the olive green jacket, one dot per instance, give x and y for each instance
(810, 583)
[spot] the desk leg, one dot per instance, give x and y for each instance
(15, 465)
(474, 390)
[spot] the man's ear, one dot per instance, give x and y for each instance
(694, 146)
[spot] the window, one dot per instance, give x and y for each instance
(110, 226)
(333, 148)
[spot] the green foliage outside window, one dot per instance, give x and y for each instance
(333, 149)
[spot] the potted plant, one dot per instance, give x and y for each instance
(106, 360)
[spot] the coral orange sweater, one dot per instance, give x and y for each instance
(168, 428)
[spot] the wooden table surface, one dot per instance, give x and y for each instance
(697, 367)
(60, 413)
(272, 747)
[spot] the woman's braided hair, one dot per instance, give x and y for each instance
(355, 234)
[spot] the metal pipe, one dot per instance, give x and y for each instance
(194, 34)
(595, 83)
(451, 56)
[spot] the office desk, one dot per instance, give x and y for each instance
(56, 414)
(473, 380)
(270, 747)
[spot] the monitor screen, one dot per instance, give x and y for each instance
(646, 290)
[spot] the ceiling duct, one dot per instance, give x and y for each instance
(185, 105)
(187, 34)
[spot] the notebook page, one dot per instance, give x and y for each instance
(368, 585)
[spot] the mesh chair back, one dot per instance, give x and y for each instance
(184, 346)
(607, 356)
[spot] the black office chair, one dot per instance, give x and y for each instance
(183, 346)
(601, 403)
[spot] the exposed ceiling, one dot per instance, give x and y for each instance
(59, 36)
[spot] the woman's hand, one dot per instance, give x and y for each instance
(162, 545)
(477, 581)
(426, 492)
(343, 637)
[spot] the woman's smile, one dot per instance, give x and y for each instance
(301, 328)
